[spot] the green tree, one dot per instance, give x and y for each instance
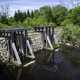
(59, 14)
(74, 15)
(4, 14)
(39, 21)
(32, 14)
(28, 13)
(46, 12)
(11, 21)
(20, 16)
(36, 13)
(29, 22)
(71, 34)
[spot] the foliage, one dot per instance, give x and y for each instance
(74, 15)
(39, 21)
(46, 12)
(3, 25)
(71, 34)
(42, 16)
(27, 22)
(28, 13)
(34, 22)
(20, 16)
(32, 14)
(66, 22)
(59, 14)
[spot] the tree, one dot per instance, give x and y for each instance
(20, 16)
(70, 34)
(39, 21)
(24, 16)
(59, 14)
(74, 15)
(36, 13)
(11, 21)
(46, 12)
(28, 13)
(32, 14)
(4, 14)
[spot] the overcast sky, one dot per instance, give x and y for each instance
(31, 4)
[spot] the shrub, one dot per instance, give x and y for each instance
(71, 34)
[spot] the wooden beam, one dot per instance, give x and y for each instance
(31, 62)
(30, 49)
(16, 54)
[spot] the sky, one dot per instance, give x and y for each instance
(24, 5)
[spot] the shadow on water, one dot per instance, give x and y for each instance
(63, 66)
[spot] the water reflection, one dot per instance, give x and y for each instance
(65, 68)
(60, 68)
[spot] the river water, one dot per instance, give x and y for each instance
(59, 68)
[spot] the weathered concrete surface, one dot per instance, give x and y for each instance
(37, 41)
(4, 54)
(57, 35)
(36, 44)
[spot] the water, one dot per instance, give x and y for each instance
(60, 68)
(64, 70)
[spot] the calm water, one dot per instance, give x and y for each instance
(63, 69)
(60, 68)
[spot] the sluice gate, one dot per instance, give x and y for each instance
(18, 45)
